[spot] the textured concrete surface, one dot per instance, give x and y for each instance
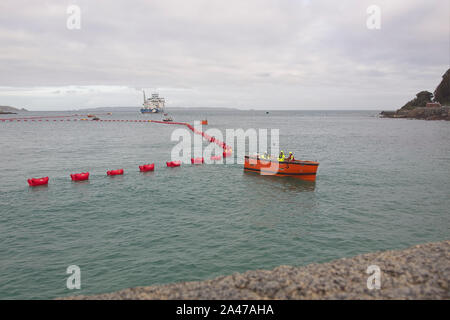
(419, 272)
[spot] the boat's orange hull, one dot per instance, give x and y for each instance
(305, 170)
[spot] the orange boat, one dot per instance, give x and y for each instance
(305, 170)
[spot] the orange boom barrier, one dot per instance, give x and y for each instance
(197, 160)
(34, 182)
(114, 172)
(80, 176)
(147, 167)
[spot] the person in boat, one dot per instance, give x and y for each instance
(290, 157)
(281, 157)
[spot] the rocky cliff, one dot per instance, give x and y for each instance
(435, 113)
(421, 99)
(442, 92)
(415, 109)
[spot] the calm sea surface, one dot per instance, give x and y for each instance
(381, 184)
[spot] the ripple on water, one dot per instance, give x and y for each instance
(375, 190)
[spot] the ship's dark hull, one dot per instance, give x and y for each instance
(150, 110)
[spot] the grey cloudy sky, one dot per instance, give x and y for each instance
(306, 54)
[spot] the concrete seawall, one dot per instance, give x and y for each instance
(419, 272)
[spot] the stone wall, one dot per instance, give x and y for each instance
(419, 272)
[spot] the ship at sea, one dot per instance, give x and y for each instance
(154, 104)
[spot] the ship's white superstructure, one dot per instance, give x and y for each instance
(154, 104)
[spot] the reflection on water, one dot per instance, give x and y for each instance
(81, 186)
(39, 188)
(118, 177)
(82, 182)
(280, 213)
(287, 183)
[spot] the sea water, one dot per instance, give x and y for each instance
(381, 184)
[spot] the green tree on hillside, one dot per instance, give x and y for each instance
(420, 100)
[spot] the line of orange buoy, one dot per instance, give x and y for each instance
(33, 182)
(49, 117)
(62, 119)
(226, 153)
(83, 176)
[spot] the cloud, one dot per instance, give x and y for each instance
(255, 53)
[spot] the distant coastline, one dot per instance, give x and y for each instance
(426, 105)
(136, 108)
(420, 113)
(11, 110)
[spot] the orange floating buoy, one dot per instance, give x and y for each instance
(226, 153)
(147, 167)
(114, 172)
(80, 176)
(34, 182)
(172, 164)
(176, 163)
(197, 160)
